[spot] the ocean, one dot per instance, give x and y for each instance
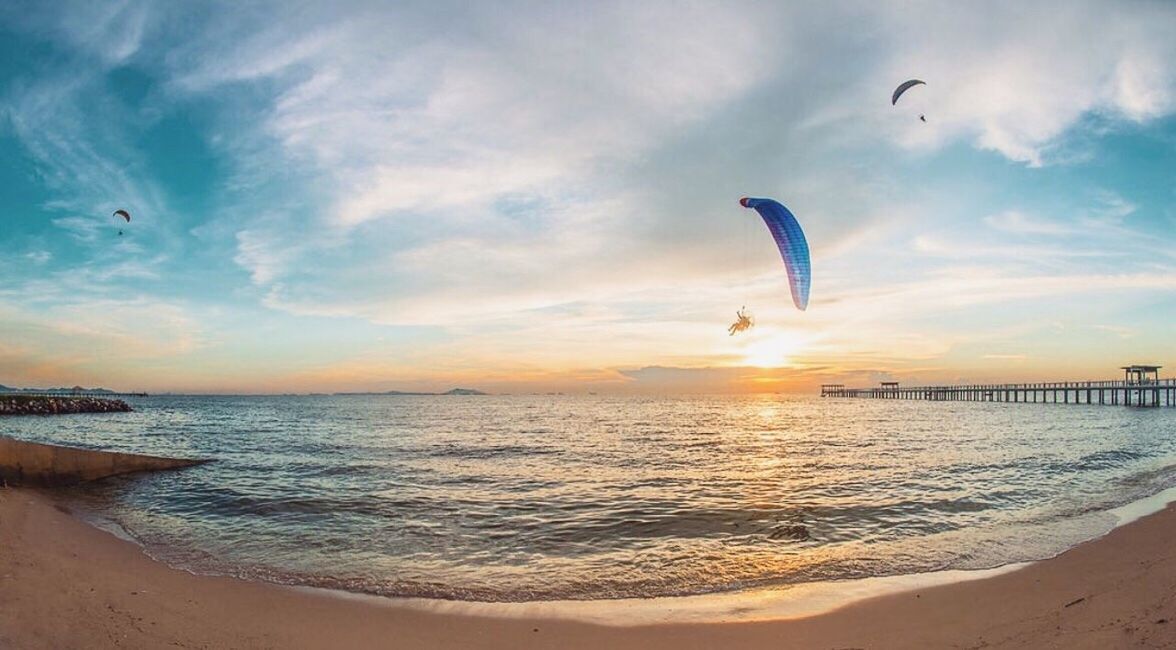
(527, 498)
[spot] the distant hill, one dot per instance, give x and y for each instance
(389, 392)
(454, 391)
(62, 389)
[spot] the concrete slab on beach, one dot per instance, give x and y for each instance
(33, 463)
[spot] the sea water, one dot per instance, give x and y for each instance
(528, 497)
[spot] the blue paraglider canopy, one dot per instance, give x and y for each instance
(791, 242)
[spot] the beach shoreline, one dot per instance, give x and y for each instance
(64, 583)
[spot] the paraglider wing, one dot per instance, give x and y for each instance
(791, 242)
(124, 214)
(902, 88)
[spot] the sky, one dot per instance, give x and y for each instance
(518, 196)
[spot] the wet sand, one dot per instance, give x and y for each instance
(65, 584)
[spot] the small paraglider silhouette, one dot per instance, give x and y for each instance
(125, 215)
(744, 321)
(902, 88)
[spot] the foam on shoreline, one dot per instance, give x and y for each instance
(780, 602)
(68, 584)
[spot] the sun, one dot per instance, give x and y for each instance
(772, 350)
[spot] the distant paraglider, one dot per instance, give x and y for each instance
(903, 87)
(743, 322)
(125, 215)
(792, 244)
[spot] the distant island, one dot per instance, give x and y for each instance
(76, 389)
(454, 391)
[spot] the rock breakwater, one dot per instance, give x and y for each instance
(49, 405)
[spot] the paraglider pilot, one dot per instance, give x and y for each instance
(743, 322)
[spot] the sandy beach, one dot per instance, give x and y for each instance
(65, 584)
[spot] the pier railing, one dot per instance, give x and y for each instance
(1159, 392)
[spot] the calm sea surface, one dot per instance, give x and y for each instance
(509, 498)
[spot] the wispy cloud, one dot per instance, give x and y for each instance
(996, 76)
(1118, 330)
(79, 337)
(1016, 222)
(428, 139)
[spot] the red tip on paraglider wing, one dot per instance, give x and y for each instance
(743, 201)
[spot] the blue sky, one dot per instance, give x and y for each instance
(522, 196)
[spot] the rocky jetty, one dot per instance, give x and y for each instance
(48, 405)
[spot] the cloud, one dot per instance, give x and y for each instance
(453, 168)
(1118, 330)
(549, 183)
(476, 185)
(490, 106)
(995, 75)
(63, 338)
(80, 142)
(264, 264)
(86, 229)
(714, 380)
(420, 145)
(1108, 208)
(106, 32)
(1016, 222)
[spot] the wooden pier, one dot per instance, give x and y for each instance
(1140, 386)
